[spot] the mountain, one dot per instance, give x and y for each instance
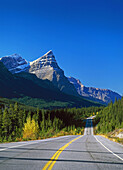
(15, 63)
(18, 85)
(30, 90)
(46, 67)
(103, 95)
(26, 84)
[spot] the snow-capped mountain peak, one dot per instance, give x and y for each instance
(49, 53)
(15, 63)
(47, 60)
(46, 67)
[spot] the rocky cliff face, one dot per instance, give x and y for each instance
(15, 63)
(46, 67)
(102, 94)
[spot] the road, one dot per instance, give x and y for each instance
(87, 152)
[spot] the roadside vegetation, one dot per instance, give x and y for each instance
(110, 121)
(19, 123)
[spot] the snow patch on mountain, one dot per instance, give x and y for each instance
(15, 63)
(46, 67)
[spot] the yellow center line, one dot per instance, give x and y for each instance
(54, 158)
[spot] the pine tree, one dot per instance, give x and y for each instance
(1, 115)
(43, 121)
(5, 123)
(20, 122)
(37, 115)
(49, 121)
(24, 116)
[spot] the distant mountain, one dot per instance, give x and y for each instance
(25, 84)
(15, 63)
(30, 90)
(103, 95)
(46, 67)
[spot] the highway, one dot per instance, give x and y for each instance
(87, 152)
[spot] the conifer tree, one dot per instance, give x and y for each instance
(1, 114)
(43, 121)
(5, 123)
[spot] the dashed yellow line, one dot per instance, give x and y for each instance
(54, 158)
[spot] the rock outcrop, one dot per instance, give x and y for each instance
(46, 67)
(15, 63)
(104, 95)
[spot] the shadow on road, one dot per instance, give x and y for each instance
(88, 123)
(62, 160)
(55, 150)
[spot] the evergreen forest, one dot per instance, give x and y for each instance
(25, 123)
(110, 118)
(20, 122)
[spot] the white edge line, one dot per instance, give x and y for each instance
(31, 142)
(108, 149)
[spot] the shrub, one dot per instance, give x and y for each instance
(30, 130)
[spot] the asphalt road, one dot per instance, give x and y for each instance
(63, 153)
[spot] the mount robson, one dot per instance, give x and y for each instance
(42, 84)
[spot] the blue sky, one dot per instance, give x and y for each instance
(86, 36)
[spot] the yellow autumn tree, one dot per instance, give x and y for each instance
(31, 129)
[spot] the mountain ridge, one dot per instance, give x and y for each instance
(15, 63)
(28, 89)
(105, 95)
(47, 68)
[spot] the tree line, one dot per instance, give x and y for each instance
(17, 123)
(111, 117)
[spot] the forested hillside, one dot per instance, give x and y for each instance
(18, 123)
(111, 117)
(29, 90)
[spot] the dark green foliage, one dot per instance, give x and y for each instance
(14, 116)
(111, 117)
(28, 89)
(5, 123)
(66, 102)
(4, 102)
